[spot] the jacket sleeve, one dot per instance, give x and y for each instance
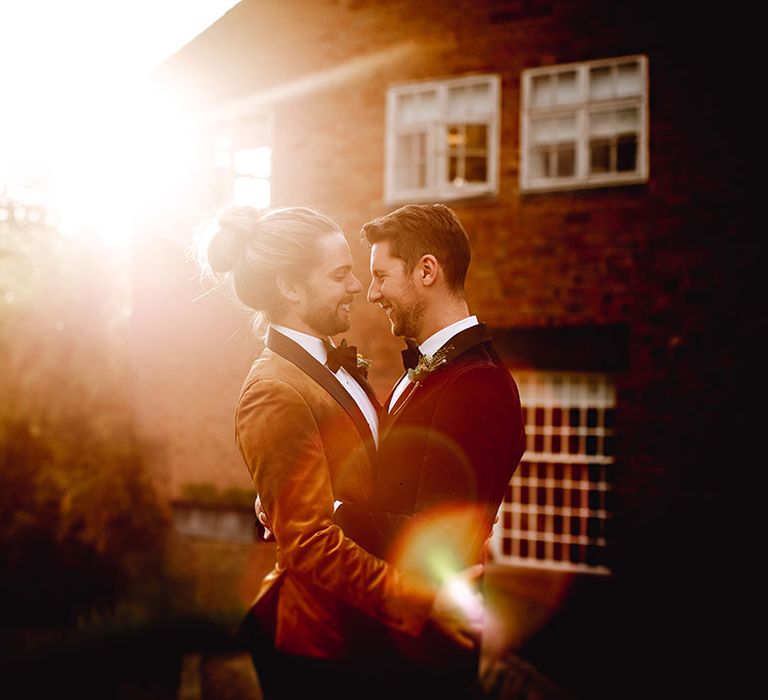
(280, 441)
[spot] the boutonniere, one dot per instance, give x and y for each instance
(363, 364)
(428, 364)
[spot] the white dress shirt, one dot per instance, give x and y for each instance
(430, 346)
(315, 347)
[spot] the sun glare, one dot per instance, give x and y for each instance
(83, 133)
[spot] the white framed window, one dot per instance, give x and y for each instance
(557, 506)
(242, 153)
(442, 139)
(584, 124)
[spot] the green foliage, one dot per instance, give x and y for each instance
(81, 524)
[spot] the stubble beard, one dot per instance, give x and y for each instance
(408, 319)
(325, 320)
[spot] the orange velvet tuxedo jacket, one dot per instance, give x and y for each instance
(306, 444)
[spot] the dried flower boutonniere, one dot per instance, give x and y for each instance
(428, 364)
(363, 364)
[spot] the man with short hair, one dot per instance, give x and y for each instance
(450, 437)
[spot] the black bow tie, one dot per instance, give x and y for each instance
(411, 354)
(342, 356)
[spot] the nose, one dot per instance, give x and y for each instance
(354, 286)
(374, 293)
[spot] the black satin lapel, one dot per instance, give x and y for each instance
(293, 352)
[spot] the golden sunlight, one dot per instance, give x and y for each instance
(83, 133)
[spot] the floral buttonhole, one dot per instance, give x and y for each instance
(428, 364)
(363, 364)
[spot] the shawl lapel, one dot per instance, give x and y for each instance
(294, 353)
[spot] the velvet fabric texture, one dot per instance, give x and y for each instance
(446, 454)
(303, 446)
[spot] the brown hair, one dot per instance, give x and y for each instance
(415, 230)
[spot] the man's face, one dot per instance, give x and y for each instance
(329, 289)
(395, 291)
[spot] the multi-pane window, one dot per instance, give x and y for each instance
(243, 156)
(557, 505)
(442, 139)
(585, 124)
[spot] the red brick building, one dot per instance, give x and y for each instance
(583, 145)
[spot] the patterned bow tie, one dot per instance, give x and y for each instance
(342, 356)
(411, 354)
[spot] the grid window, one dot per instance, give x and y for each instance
(243, 157)
(585, 124)
(556, 510)
(442, 139)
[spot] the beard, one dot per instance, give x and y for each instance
(326, 320)
(407, 318)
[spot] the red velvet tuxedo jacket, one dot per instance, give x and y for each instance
(446, 455)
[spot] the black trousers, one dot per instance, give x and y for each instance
(289, 677)
(374, 674)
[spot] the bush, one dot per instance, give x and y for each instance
(81, 523)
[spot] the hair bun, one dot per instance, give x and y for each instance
(235, 227)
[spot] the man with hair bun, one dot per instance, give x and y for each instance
(307, 428)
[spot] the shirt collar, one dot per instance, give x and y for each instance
(313, 345)
(435, 341)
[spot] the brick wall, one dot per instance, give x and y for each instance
(671, 260)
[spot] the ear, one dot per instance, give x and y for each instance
(288, 288)
(427, 269)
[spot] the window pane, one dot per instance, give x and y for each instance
(600, 83)
(453, 171)
(542, 131)
(566, 128)
(541, 90)
(417, 107)
(548, 500)
(627, 120)
(540, 163)
(566, 87)
(410, 161)
(428, 106)
(458, 103)
(455, 136)
(476, 169)
(626, 153)
(481, 100)
(601, 124)
(476, 136)
(566, 161)
(599, 156)
(407, 108)
(628, 79)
